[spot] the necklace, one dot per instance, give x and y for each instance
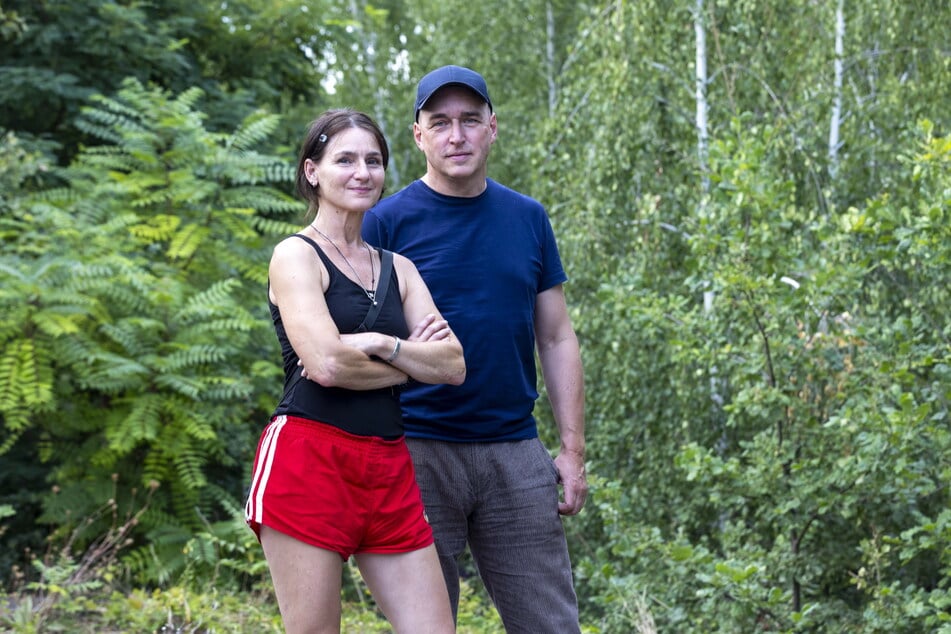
(371, 291)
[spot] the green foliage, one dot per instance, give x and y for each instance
(82, 592)
(767, 374)
(243, 55)
(175, 609)
(816, 494)
(182, 607)
(131, 352)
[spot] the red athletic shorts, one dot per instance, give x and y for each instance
(337, 491)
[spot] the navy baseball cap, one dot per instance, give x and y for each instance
(449, 76)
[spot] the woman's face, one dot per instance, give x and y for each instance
(350, 174)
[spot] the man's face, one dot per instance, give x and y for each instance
(455, 131)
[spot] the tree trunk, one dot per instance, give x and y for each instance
(837, 92)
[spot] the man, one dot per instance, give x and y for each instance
(489, 257)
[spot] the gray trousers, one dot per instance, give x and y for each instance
(502, 499)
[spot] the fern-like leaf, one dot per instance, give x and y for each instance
(254, 129)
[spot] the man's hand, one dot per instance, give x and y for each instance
(574, 482)
(430, 329)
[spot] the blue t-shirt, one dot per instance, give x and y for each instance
(485, 260)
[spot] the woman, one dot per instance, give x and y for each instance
(332, 476)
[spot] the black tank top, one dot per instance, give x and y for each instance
(360, 412)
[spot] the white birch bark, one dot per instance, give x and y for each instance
(834, 141)
(700, 84)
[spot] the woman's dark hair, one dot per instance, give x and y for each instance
(321, 131)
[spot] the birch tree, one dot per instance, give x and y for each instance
(700, 92)
(837, 90)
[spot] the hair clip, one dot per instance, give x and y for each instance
(322, 138)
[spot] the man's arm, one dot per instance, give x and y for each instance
(560, 358)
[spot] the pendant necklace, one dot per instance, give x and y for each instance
(371, 292)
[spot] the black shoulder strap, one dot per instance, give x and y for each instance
(386, 270)
(309, 241)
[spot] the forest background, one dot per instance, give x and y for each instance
(752, 202)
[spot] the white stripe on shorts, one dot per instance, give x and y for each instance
(254, 510)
